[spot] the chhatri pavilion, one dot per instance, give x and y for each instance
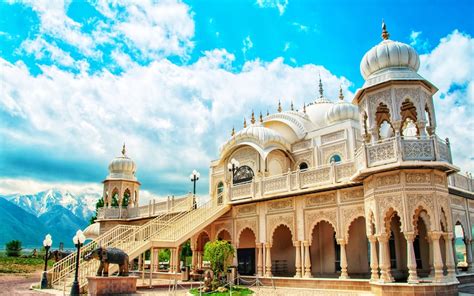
(345, 193)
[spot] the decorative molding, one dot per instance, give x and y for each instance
(241, 224)
(312, 218)
(301, 145)
(332, 137)
(328, 151)
(351, 195)
(321, 199)
(279, 205)
(246, 210)
(349, 214)
(388, 180)
(417, 178)
(273, 221)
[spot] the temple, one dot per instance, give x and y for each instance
(344, 193)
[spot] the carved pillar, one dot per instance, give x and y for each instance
(193, 258)
(437, 259)
(411, 259)
(156, 259)
(469, 254)
(450, 267)
(171, 264)
(140, 262)
(268, 260)
(342, 244)
(397, 125)
(259, 259)
(297, 245)
(384, 249)
(374, 135)
(307, 260)
(374, 264)
(430, 251)
(422, 128)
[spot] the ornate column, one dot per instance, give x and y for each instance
(430, 243)
(268, 260)
(411, 259)
(384, 249)
(259, 259)
(170, 269)
(437, 259)
(155, 259)
(450, 266)
(469, 254)
(342, 244)
(374, 264)
(297, 245)
(307, 260)
(193, 258)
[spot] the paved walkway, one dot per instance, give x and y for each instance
(19, 284)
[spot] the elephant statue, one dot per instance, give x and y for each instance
(107, 256)
(58, 255)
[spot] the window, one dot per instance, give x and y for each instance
(335, 158)
(243, 174)
(220, 189)
(385, 130)
(303, 166)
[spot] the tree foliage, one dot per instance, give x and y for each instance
(218, 253)
(13, 248)
(99, 204)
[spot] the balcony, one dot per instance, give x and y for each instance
(171, 205)
(294, 182)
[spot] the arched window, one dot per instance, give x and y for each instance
(243, 174)
(385, 130)
(335, 158)
(220, 189)
(409, 129)
(303, 166)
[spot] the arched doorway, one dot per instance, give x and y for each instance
(324, 251)
(201, 241)
(246, 252)
(358, 248)
(421, 245)
(283, 252)
(460, 246)
(398, 249)
(224, 235)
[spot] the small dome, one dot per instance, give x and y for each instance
(122, 167)
(317, 111)
(342, 110)
(389, 54)
(263, 134)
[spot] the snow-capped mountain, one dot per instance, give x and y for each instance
(82, 205)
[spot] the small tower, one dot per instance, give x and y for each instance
(121, 187)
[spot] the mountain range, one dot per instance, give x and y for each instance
(30, 217)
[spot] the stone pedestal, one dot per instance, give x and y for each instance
(111, 285)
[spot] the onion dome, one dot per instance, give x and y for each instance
(317, 110)
(122, 167)
(342, 110)
(389, 57)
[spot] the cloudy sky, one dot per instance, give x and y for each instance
(171, 78)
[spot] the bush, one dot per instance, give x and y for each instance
(218, 253)
(13, 248)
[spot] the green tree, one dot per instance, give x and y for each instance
(218, 253)
(164, 255)
(99, 204)
(13, 248)
(126, 197)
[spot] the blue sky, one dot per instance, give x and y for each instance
(171, 78)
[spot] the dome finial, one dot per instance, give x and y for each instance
(261, 117)
(385, 34)
(123, 149)
(252, 120)
(320, 87)
(233, 132)
(245, 122)
(279, 106)
(341, 95)
(292, 108)
(268, 113)
(304, 107)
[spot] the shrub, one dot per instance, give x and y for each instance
(13, 248)
(218, 253)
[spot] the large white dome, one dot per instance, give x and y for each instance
(317, 110)
(122, 167)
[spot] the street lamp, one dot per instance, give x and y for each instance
(47, 242)
(194, 177)
(233, 166)
(78, 240)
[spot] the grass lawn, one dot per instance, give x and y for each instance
(22, 265)
(236, 291)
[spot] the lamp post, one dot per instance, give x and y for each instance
(47, 242)
(78, 240)
(194, 177)
(233, 166)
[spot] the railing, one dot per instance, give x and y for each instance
(152, 209)
(294, 181)
(461, 182)
(125, 237)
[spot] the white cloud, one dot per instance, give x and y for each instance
(300, 27)
(287, 46)
(449, 67)
(278, 4)
(42, 49)
(247, 44)
(418, 42)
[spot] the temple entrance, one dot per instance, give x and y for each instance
(246, 261)
(358, 250)
(325, 261)
(283, 252)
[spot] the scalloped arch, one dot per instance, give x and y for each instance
(315, 223)
(278, 225)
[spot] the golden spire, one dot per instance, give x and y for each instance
(385, 34)
(252, 120)
(261, 117)
(304, 107)
(320, 87)
(123, 149)
(233, 132)
(291, 107)
(245, 122)
(279, 106)
(341, 96)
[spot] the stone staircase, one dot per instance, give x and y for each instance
(166, 230)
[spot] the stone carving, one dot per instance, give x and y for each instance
(457, 201)
(273, 221)
(391, 201)
(304, 157)
(418, 149)
(471, 205)
(350, 195)
(344, 170)
(242, 190)
(413, 94)
(381, 153)
(301, 145)
(380, 97)
(333, 149)
(275, 184)
(443, 150)
(417, 178)
(415, 200)
(224, 225)
(315, 176)
(280, 205)
(246, 210)
(320, 199)
(439, 179)
(332, 137)
(314, 217)
(349, 215)
(107, 256)
(388, 180)
(241, 224)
